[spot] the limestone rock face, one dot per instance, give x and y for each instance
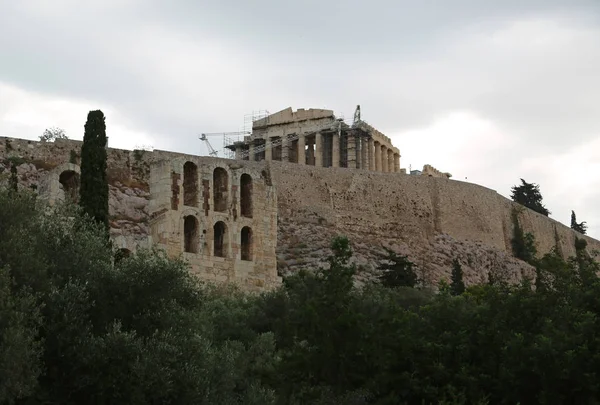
(431, 220)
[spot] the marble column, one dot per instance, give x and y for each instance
(310, 153)
(384, 159)
(285, 148)
(397, 162)
(364, 149)
(238, 151)
(351, 151)
(335, 150)
(319, 149)
(377, 146)
(301, 150)
(371, 152)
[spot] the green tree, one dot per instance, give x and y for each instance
(14, 179)
(51, 134)
(457, 286)
(136, 332)
(580, 227)
(20, 349)
(397, 270)
(523, 244)
(94, 183)
(528, 194)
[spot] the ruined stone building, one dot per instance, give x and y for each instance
(275, 209)
(221, 217)
(316, 137)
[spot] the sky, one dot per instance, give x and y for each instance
(490, 91)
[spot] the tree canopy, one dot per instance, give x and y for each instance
(51, 134)
(77, 326)
(580, 227)
(529, 195)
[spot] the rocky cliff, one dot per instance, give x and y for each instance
(432, 220)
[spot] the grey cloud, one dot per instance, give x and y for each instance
(175, 69)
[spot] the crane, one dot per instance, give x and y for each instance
(211, 151)
(225, 135)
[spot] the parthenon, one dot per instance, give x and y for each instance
(316, 137)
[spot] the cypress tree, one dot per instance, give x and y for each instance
(93, 192)
(457, 286)
(397, 271)
(14, 180)
(580, 227)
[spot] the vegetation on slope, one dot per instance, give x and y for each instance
(76, 327)
(528, 194)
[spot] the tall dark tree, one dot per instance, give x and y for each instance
(14, 180)
(580, 227)
(457, 286)
(397, 271)
(528, 194)
(94, 184)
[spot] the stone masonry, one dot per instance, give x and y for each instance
(248, 221)
(220, 215)
(315, 137)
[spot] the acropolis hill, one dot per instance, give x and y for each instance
(299, 179)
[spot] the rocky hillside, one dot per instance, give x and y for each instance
(431, 220)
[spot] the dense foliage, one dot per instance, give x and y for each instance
(93, 193)
(529, 195)
(523, 243)
(397, 271)
(457, 285)
(580, 227)
(76, 327)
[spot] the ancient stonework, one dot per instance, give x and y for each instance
(220, 215)
(316, 137)
(248, 221)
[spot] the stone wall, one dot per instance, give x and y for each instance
(432, 220)
(194, 199)
(431, 171)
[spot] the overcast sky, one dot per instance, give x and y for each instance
(491, 91)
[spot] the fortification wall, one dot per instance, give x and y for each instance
(431, 171)
(432, 220)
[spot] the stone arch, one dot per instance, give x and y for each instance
(220, 187)
(220, 239)
(246, 243)
(246, 195)
(190, 234)
(190, 184)
(69, 184)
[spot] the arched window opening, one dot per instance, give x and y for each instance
(220, 242)
(246, 195)
(190, 234)
(246, 243)
(69, 180)
(190, 184)
(220, 189)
